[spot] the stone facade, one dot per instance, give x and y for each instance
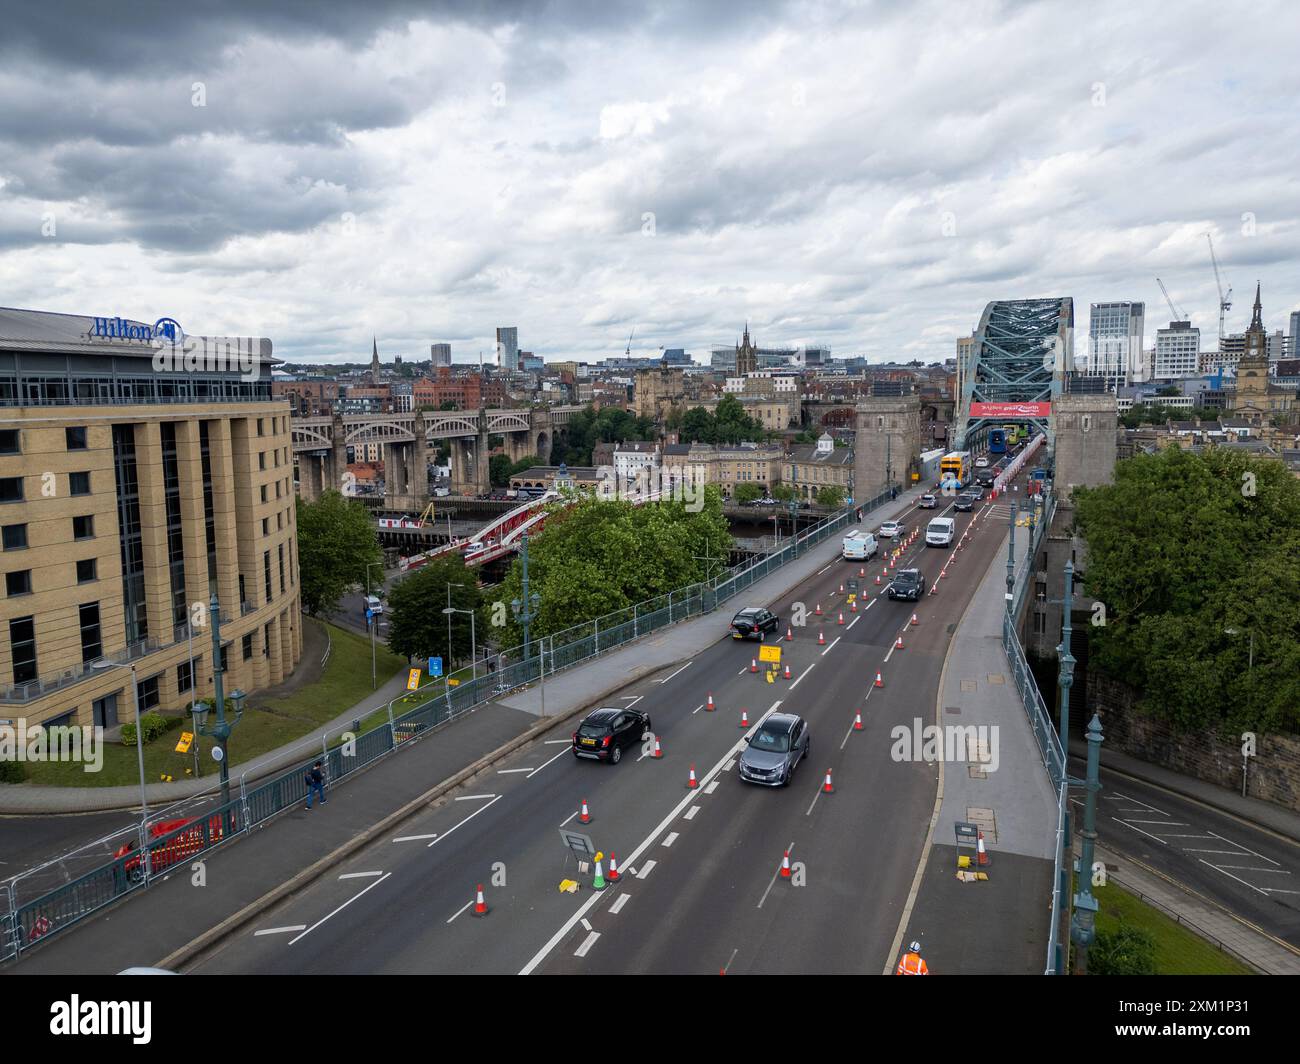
(888, 443)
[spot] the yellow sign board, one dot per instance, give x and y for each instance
(413, 680)
(183, 744)
(916, 477)
(770, 653)
(452, 681)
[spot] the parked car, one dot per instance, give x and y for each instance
(766, 500)
(775, 750)
(754, 622)
(605, 733)
(928, 501)
(891, 529)
(908, 585)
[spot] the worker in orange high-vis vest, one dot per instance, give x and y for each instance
(912, 962)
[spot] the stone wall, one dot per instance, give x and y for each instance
(1274, 771)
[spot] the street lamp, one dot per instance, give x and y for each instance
(139, 739)
(473, 641)
(222, 728)
(371, 623)
(525, 610)
(1250, 695)
(448, 612)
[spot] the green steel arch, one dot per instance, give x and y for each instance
(1022, 351)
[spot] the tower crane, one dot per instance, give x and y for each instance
(628, 352)
(1225, 301)
(1178, 314)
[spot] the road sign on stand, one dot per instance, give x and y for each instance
(435, 667)
(770, 653)
(413, 679)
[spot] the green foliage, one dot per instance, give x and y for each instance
(727, 424)
(336, 540)
(12, 772)
(1158, 414)
(599, 556)
(831, 496)
(588, 428)
(747, 493)
(1127, 950)
(153, 725)
(417, 627)
(1180, 548)
(501, 469)
(783, 492)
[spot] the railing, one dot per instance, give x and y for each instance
(1057, 949)
(346, 751)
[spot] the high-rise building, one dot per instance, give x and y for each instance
(171, 469)
(1294, 334)
(440, 355)
(1115, 348)
(1178, 350)
(507, 348)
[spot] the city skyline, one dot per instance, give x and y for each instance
(422, 177)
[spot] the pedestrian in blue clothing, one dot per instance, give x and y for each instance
(315, 780)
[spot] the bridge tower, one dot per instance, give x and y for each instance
(336, 462)
(887, 443)
(469, 460)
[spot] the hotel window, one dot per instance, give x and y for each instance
(79, 483)
(87, 570)
(281, 552)
(277, 489)
(279, 520)
(261, 459)
(248, 647)
(266, 526)
(11, 489)
(184, 676)
(261, 426)
(264, 493)
(18, 583)
(9, 441)
(92, 646)
(147, 692)
(131, 538)
(266, 571)
(13, 537)
(83, 527)
(75, 436)
(22, 638)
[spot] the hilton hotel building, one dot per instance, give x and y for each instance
(139, 477)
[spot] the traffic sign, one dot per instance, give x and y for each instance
(183, 746)
(435, 666)
(370, 615)
(770, 653)
(413, 679)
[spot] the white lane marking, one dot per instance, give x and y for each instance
(820, 571)
(634, 701)
(1247, 849)
(729, 765)
(466, 820)
(360, 875)
(690, 813)
(672, 837)
(645, 869)
(415, 838)
(1170, 823)
(683, 668)
(802, 675)
(1255, 868)
(557, 742)
(711, 787)
(832, 646)
(855, 620)
(635, 856)
(727, 967)
(1140, 831)
(570, 817)
(775, 875)
(1278, 890)
(1117, 797)
(741, 672)
(816, 796)
(587, 943)
(461, 910)
(586, 925)
(697, 709)
(1191, 836)
(354, 897)
(630, 698)
(850, 731)
(619, 902)
(1224, 853)
(544, 764)
(1252, 886)
(508, 771)
(278, 930)
(476, 797)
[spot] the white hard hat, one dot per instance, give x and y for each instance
(915, 947)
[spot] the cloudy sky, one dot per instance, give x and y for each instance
(865, 175)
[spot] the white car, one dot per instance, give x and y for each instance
(981, 463)
(891, 529)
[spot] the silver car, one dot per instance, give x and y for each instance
(775, 750)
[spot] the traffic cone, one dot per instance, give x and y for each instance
(841, 589)
(934, 589)
(853, 606)
(789, 634)
(785, 865)
(821, 637)
(690, 783)
(658, 752)
(744, 719)
(584, 817)
(598, 883)
(898, 643)
(841, 617)
(915, 622)
(862, 571)
(857, 721)
(480, 906)
(787, 671)
(753, 664)
(943, 573)
(708, 706)
(877, 580)
(879, 681)
(981, 855)
(828, 787)
(818, 611)
(614, 874)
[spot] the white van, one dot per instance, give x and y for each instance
(859, 546)
(939, 532)
(374, 605)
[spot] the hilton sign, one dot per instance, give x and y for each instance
(164, 330)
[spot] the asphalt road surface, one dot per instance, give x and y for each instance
(699, 891)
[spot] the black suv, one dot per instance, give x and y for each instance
(965, 502)
(909, 584)
(977, 490)
(754, 622)
(606, 733)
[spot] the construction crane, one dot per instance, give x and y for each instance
(628, 352)
(1178, 314)
(1225, 302)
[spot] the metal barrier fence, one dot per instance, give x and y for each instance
(149, 855)
(1057, 945)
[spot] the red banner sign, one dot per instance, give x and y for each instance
(1010, 410)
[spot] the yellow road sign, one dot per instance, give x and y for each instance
(452, 681)
(413, 679)
(183, 744)
(770, 653)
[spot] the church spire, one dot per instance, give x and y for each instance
(1257, 321)
(374, 357)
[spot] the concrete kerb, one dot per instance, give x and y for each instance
(192, 950)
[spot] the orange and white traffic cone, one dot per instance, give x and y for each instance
(853, 606)
(584, 817)
(879, 681)
(614, 874)
(828, 787)
(787, 671)
(821, 637)
(708, 706)
(862, 571)
(934, 588)
(981, 855)
(841, 621)
(690, 783)
(841, 589)
(658, 751)
(789, 634)
(753, 664)
(744, 719)
(898, 643)
(914, 621)
(480, 905)
(785, 865)
(818, 612)
(857, 721)
(943, 573)
(877, 580)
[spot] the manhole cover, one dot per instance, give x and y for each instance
(970, 685)
(952, 709)
(996, 677)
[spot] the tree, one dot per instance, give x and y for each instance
(831, 496)
(1127, 950)
(499, 470)
(417, 627)
(1179, 548)
(746, 493)
(783, 492)
(336, 541)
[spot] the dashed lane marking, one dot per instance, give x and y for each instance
(354, 897)
(832, 646)
(360, 875)
(587, 943)
(682, 669)
(690, 813)
(619, 902)
(802, 675)
(729, 765)
(460, 910)
(712, 786)
(544, 764)
(645, 869)
(279, 930)
(670, 839)
(775, 875)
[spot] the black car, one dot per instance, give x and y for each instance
(606, 733)
(977, 491)
(965, 502)
(754, 622)
(775, 750)
(909, 584)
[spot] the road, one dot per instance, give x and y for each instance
(1248, 870)
(702, 898)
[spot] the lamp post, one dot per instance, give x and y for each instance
(473, 641)
(449, 611)
(1065, 677)
(794, 528)
(1011, 560)
(1083, 919)
(1250, 695)
(372, 624)
(525, 610)
(220, 731)
(139, 739)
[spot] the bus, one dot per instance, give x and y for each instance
(1014, 432)
(955, 469)
(997, 441)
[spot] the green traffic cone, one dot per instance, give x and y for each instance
(599, 882)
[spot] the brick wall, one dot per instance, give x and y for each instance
(1274, 772)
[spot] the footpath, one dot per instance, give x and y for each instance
(170, 921)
